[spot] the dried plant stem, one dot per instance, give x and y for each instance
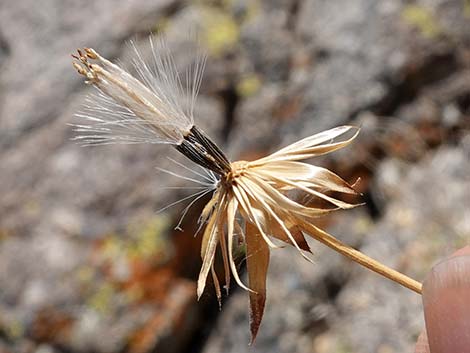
(362, 259)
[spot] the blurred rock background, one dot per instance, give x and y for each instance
(86, 263)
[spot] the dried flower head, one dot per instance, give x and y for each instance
(257, 201)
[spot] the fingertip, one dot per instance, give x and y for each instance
(446, 294)
(463, 251)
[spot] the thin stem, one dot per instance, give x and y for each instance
(361, 258)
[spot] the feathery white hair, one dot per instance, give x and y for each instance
(155, 107)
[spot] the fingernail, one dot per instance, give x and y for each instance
(446, 300)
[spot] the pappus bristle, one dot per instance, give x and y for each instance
(155, 107)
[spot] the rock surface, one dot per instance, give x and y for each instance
(87, 265)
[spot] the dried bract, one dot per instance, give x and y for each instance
(252, 199)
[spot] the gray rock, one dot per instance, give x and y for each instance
(39, 41)
(277, 71)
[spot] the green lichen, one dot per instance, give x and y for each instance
(343, 347)
(248, 85)
(13, 329)
(423, 19)
(466, 8)
(142, 240)
(220, 30)
(149, 239)
(113, 247)
(221, 22)
(101, 300)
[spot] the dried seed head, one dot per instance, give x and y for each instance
(155, 107)
(250, 199)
